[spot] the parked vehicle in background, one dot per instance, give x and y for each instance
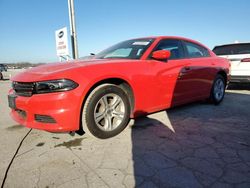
(130, 79)
(239, 56)
(2, 69)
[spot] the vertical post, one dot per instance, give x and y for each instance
(73, 29)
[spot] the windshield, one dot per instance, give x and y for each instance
(232, 49)
(130, 49)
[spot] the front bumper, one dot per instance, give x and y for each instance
(62, 107)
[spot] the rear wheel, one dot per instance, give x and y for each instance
(1, 76)
(106, 111)
(218, 89)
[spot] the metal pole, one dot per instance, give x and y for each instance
(73, 29)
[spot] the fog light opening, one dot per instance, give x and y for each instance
(44, 118)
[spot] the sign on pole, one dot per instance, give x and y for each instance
(73, 29)
(62, 48)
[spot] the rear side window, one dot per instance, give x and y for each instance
(232, 49)
(195, 50)
(174, 46)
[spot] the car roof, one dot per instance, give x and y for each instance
(163, 37)
(173, 37)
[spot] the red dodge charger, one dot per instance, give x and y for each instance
(129, 79)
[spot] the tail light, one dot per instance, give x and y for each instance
(245, 60)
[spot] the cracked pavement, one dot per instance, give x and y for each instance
(196, 145)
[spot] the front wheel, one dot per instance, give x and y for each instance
(106, 111)
(218, 89)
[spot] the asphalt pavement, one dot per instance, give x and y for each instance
(196, 145)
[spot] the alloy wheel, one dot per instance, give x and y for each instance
(109, 112)
(219, 89)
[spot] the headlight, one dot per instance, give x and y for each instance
(54, 86)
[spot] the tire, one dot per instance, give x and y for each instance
(1, 76)
(106, 111)
(218, 90)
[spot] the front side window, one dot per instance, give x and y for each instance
(130, 49)
(174, 46)
(195, 50)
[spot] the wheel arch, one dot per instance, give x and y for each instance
(122, 83)
(224, 74)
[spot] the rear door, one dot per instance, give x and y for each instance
(202, 69)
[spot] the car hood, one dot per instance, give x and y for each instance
(63, 66)
(52, 70)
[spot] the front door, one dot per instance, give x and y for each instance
(173, 77)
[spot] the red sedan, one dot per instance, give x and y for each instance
(129, 79)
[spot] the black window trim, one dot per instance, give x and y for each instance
(156, 46)
(186, 50)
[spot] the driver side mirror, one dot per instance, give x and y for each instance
(161, 54)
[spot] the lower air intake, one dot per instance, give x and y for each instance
(44, 119)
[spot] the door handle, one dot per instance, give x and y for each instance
(181, 74)
(187, 68)
(184, 71)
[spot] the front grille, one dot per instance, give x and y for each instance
(24, 88)
(44, 119)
